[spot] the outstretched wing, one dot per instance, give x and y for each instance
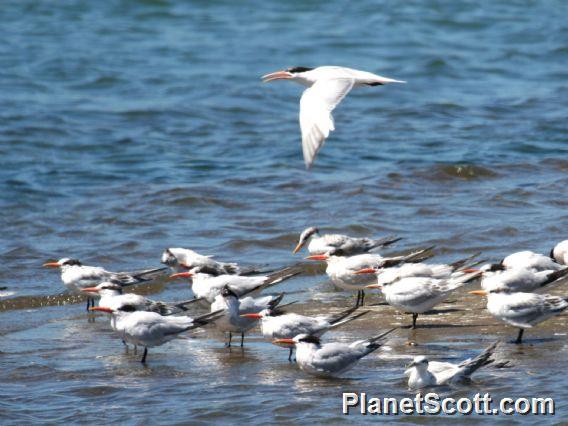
(316, 105)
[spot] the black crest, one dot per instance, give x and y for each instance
(127, 308)
(298, 69)
(310, 339)
(72, 262)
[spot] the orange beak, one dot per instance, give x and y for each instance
(101, 309)
(90, 290)
(284, 342)
(470, 270)
(478, 292)
(298, 248)
(278, 75)
(374, 286)
(317, 257)
(253, 316)
(365, 271)
(51, 265)
(181, 275)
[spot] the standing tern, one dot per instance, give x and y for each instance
(233, 308)
(343, 270)
(327, 86)
(520, 279)
(337, 244)
(275, 324)
(522, 310)
(111, 295)
(330, 359)
(559, 252)
(420, 294)
(150, 329)
(207, 287)
(76, 276)
(406, 270)
(423, 373)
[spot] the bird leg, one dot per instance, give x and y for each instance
(357, 300)
(362, 298)
(143, 361)
(520, 336)
(228, 344)
(414, 318)
(242, 339)
(290, 355)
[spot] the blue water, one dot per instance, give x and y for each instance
(130, 126)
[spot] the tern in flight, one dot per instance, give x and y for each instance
(327, 86)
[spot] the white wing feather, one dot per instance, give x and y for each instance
(316, 105)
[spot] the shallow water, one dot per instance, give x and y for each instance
(132, 126)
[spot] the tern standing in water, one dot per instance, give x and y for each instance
(327, 86)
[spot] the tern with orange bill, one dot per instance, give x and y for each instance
(521, 309)
(417, 295)
(327, 86)
(330, 359)
(207, 286)
(343, 270)
(76, 276)
(276, 324)
(150, 329)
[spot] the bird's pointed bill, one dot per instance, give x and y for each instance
(374, 286)
(253, 316)
(365, 271)
(478, 292)
(90, 290)
(51, 265)
(101, 309)
(180, 275)
(278, 75)
(286, 343)
(317, 257)
(298, 248)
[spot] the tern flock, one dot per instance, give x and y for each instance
(408, 282)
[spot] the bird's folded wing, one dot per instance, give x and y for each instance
(316, 120)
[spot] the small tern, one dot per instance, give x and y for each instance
(423, 373)
(330, 359)
(339, 245)
(327, 86)
(275, 324)
(76, 276)
(233, 308)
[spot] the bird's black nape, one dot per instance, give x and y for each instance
(310, 339)
(296, 70)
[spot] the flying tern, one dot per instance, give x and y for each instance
(327, 86)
